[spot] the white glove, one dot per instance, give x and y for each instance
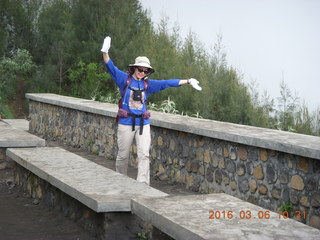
(106, 44)
(195, 84)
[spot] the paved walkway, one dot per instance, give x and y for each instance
(167, 187)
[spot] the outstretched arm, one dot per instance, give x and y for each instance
(183, 82)
(193, 82)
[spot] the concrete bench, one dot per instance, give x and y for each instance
(188, 217)
(99, 188)
(15, 137)
(181, 217)
(22, 124)
(11, 137)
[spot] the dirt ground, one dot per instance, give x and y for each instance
(23, 218)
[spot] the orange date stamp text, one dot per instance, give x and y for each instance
(247, 214)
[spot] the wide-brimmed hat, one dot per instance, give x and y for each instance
(142, 61)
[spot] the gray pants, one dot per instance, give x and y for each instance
(125, 140)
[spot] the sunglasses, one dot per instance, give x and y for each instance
(144, 71)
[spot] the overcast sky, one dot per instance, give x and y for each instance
(265, 40)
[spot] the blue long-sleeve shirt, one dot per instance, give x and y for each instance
(136, 107)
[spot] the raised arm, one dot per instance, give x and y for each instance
(105, 49)
(106, 57)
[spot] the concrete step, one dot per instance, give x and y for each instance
(22, 124)
(14, 137)
(99, 188)
(218, 216)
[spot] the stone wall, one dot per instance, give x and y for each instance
(111, 225)
(3, 163)
(265, 167)
(261, 176)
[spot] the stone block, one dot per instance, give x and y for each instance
(233, 155)
(215, 161)
(219, 151)
(207, 156)
(182, 135)
(276, 193)
(201, 142)
(231, 166)
(39, 192)
(218, 176)
(263, 189)
(190, 180)
(195, 143)
(315, 201)
(194, 167)
(2, 153)
(258, 172)
(253, 155)
(249, 168)
(225, 152)
(243, 154)
(244, 186)
(291, 163)
(315, 221)
(297, 182)
(283, 178)
(294, 199)
(188, 166)
(160, 141)
(177, 176)
(304, 201)
(3, 165)
(172, 145)
(226, 180)
(253, 185)
(201, 170)
(209, 175)
(303, 164)
(241, 170)
(161, 170)
(222, 163)
(233, 185)
(311, 184)
(199, 154)
(271, 173)
(263, 155)
(185, 151)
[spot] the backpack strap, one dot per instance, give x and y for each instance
(128, 83)
(146, 82)
(120, 103)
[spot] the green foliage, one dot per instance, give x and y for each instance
(87, 81)
(17, 67)
(54, 39)
(167, 106)
(64, 38)
(15, 27)
(142, 236)
(286, 207)
(287, 107)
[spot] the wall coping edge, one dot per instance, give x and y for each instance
(293, 143)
